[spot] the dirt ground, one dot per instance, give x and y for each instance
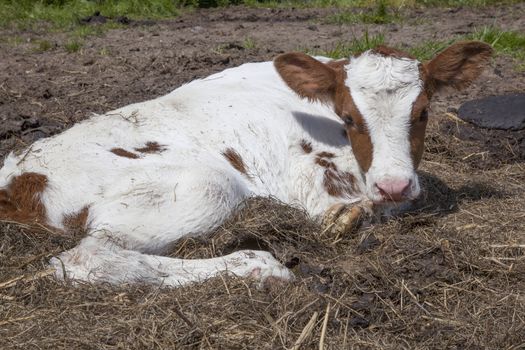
(449, 275)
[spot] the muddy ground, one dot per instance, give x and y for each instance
(449, 275)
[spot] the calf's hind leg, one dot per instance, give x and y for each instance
(98, 260)
(140, 219)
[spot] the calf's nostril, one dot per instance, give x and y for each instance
(394, 190)
(382, 192)
(406, 189)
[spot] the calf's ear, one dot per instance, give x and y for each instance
(308, 77)
(458, 65)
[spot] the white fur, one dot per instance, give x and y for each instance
(384, 89)
(139, 207)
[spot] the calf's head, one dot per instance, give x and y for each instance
(382, 95)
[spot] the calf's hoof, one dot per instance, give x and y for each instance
(342, 220)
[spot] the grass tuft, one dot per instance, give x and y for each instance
(104, 52)
(14, 40)
(73, 46)
(379, 15)
(42, 46)
(345, 49)
(84, 31)
(504, 42)
(249, 44)
(297, 3)
(428, 49)
(508, 43)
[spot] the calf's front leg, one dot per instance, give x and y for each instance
(342, 219)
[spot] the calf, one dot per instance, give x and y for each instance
(334, 137)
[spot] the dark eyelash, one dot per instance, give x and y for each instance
(348, 121)
(424, 115)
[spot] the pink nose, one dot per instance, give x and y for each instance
(394, 190)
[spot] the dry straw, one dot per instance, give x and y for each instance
(451, 274)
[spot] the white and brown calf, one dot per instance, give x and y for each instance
(325, 135)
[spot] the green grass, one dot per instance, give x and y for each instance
(504, 42)
(372, 3)
(220, 49)
(381, 14)
(13, 40)
(249, 43)
(104, 52)
(464, 3)
(73, 46)
(42, 46)
(66, 13)
(423, 51)
(214, 3)
(428, 49)
(507, 43)
(84, 31)
(345, 49)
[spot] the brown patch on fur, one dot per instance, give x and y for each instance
(76, 223)
(418, 127)
(428, 85)
(458, 65)
(151, 147)
(356, 130)
(337, 65)
(323, 159)
(306, 146)
(326, 155)
(235, 160)
(417, 142)
(336, 183)
(308, 77)
(339, 184)
(362, 147)
(325, 163)
(20, 201)
(326, 82)
(121, 152)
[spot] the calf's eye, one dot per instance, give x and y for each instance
(348, 121)
(423, 116)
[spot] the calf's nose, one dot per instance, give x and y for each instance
(394, 190)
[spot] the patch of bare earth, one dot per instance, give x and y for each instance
(449, 275)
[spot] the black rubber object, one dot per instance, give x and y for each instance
(506, 112)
